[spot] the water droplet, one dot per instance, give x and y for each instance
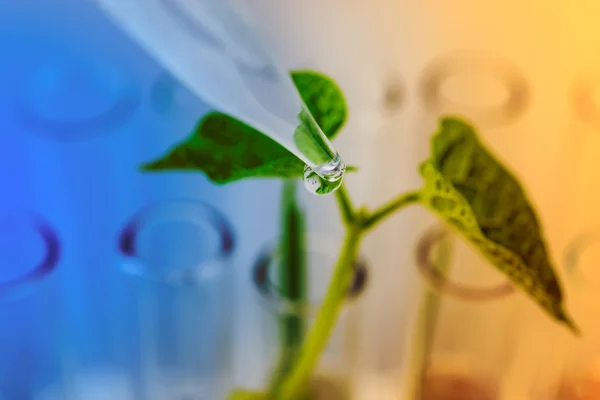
(326, 178)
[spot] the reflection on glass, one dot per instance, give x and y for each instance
(30, 317)
(179, 254)
(333, 376)
(463, 343)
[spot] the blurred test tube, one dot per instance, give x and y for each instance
(30, 312)
(463, 342)
(579, 375)
(178, 255)
(336, 372)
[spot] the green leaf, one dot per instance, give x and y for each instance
(228, 150)
(470, 190)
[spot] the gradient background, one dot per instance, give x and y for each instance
(87, 186)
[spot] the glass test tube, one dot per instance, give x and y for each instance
(30, 322)
(462, 343)
(579, 378)
(178, 253)
(333, 376)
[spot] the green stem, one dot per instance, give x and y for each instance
(318, 336)
(292, 277)
(397, 203)
(357, 222)
(345, 205)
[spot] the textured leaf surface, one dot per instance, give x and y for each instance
(469, 189)
(227, 150)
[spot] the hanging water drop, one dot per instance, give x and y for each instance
(325, 179)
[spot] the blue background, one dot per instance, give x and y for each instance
(63, 59)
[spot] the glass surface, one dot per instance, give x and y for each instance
(578, 377)
(32, 350)
(464, 337)
(75, 124)
(177, 254)
(334, 376)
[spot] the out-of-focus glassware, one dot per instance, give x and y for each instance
(463, 340)
(336, 373)
(178, 254)
(31, 316)
(579, 376)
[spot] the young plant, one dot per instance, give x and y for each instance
(464, 186)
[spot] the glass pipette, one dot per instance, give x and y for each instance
(215, 49)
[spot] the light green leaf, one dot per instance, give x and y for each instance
(227, 150)
(470, 190)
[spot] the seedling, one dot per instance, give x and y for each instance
(464, 186)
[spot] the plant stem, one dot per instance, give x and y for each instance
(345, 205)
(292, 277)
(384, 211)
(318, 336)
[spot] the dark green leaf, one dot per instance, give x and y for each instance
(228, 150)
(469, 189)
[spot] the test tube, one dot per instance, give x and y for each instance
(177, 254)
(462, 343)
(30, 318)
(333, 377)
(579, 375)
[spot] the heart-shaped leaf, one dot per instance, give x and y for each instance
(228, 150)
(470, 190)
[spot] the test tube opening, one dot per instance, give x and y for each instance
(180, 242)
(428, 248)
(321, 251)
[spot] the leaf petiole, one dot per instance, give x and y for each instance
(389, 208)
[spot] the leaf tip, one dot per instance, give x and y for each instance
(568, 321)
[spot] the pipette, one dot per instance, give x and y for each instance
(215, 49)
